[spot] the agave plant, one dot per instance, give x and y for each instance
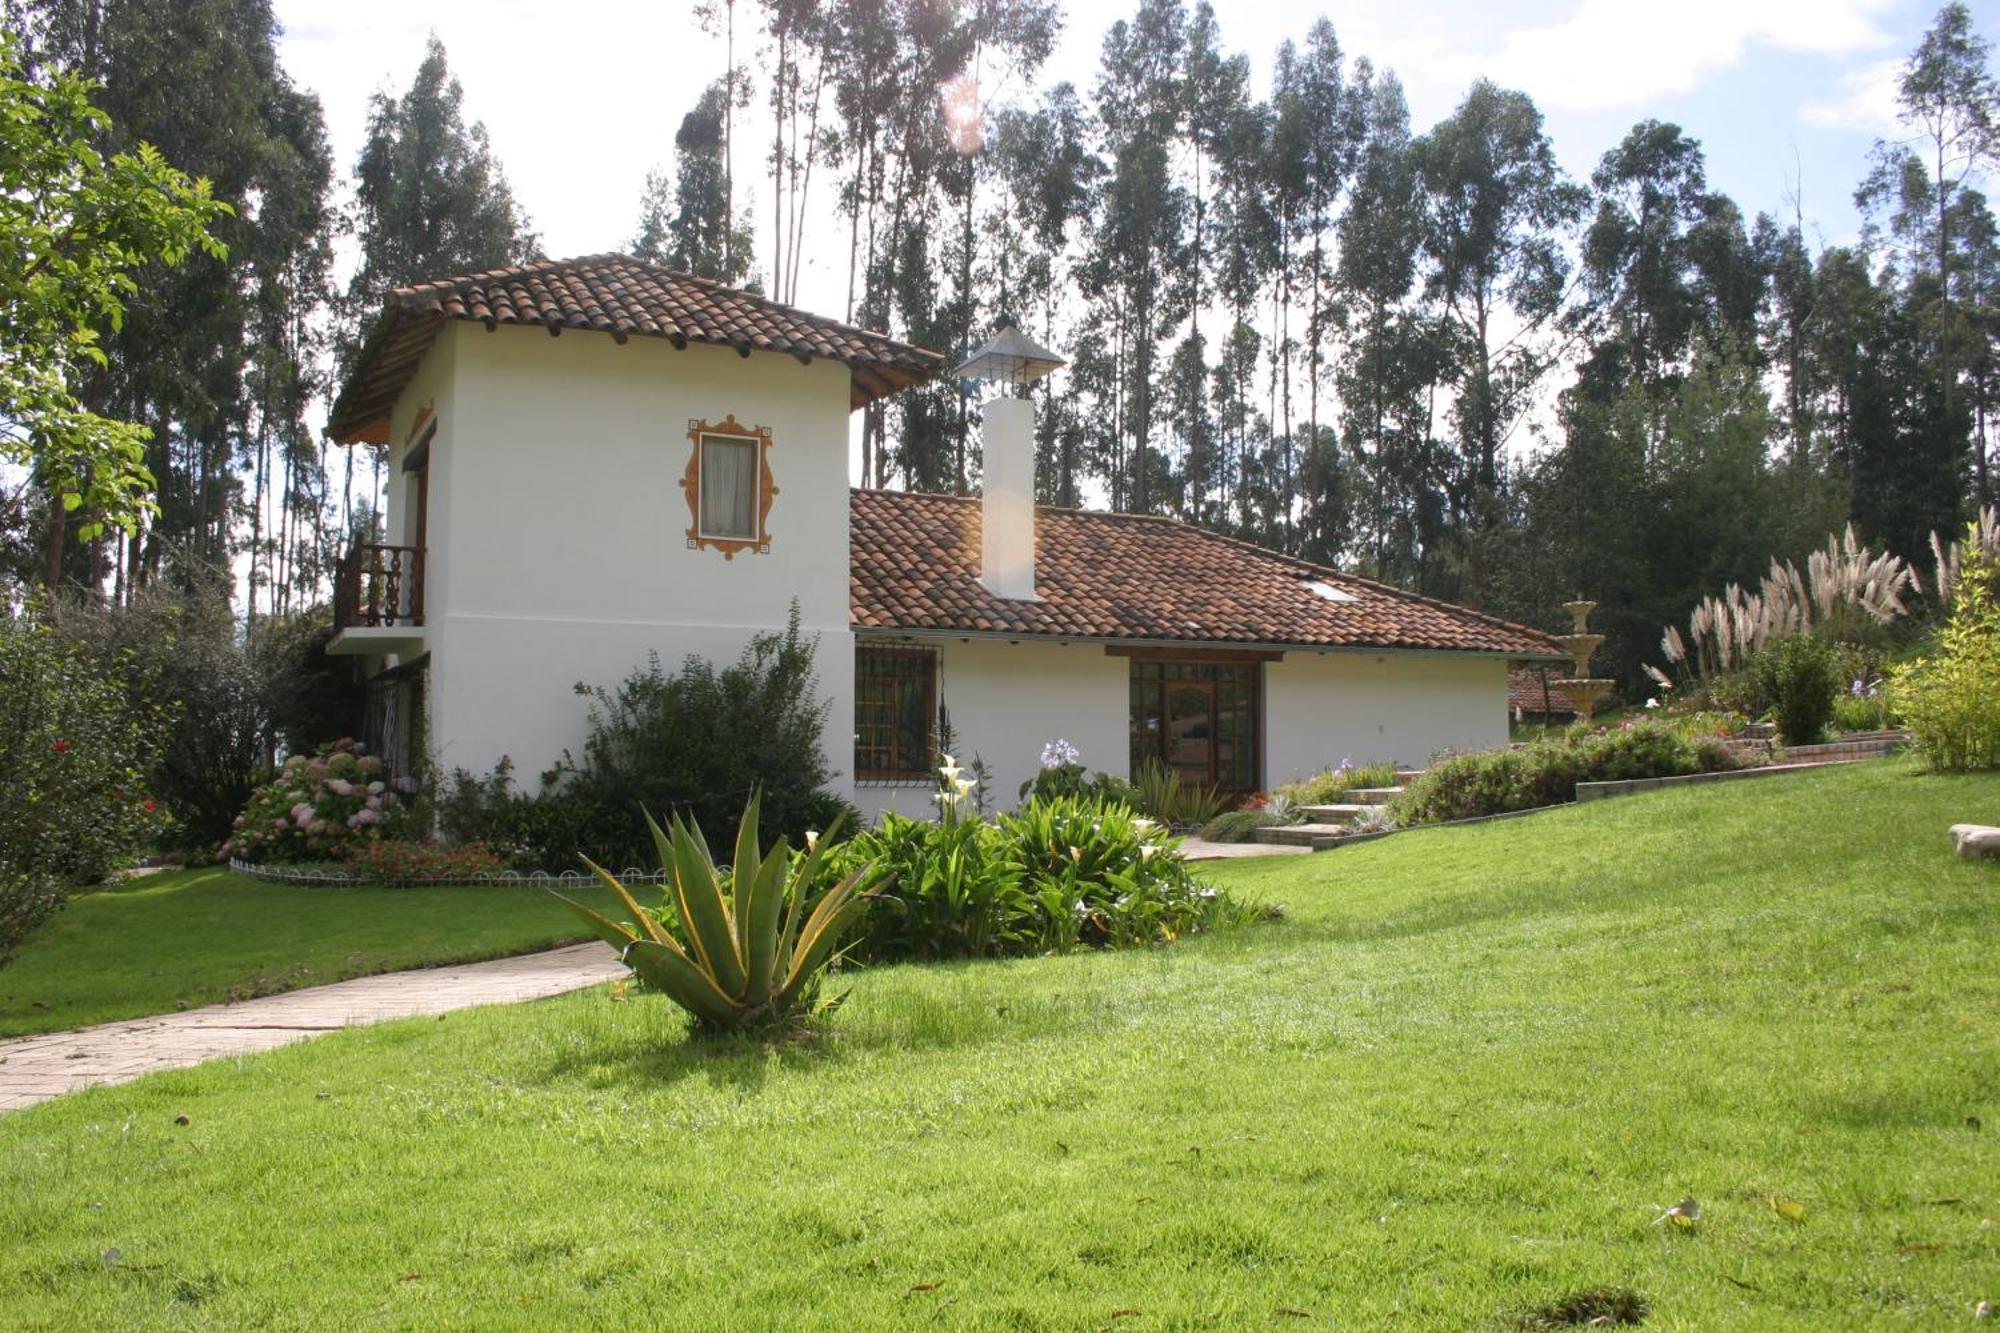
(751, 946)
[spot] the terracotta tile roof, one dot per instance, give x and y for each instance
(1524, 691)
(915, 569)
(614, 294)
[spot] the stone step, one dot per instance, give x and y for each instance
(1373, 795)
(1408, 775)
(1315, 836)
(1337, 814)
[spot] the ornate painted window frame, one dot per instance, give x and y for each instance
(731, 428)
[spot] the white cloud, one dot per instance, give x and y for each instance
(1866, 101)
(1614, 53)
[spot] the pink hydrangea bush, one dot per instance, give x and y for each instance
(321, 808)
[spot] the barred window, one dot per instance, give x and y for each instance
(895, 709)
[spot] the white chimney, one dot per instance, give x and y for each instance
(1007, 513)
(1007, 435)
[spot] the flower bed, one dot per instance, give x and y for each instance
(319, 808)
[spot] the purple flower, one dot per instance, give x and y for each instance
(1059, 753)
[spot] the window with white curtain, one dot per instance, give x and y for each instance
(729, 487)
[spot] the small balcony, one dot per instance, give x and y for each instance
(378, 600)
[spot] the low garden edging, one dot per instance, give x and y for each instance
(324, 875)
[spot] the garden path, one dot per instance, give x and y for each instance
(34, 1069)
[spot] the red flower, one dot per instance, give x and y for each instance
(62, 747)
(149, 807)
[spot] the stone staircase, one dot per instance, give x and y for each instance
(1329, 824)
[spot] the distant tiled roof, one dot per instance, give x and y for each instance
(915, 569)
(1524, 691)
(614, 294)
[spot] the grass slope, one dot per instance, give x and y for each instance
(186, 938)
(1457, 1085)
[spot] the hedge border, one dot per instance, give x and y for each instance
(326, 878)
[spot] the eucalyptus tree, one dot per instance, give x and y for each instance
(1247, 253)
(650, 240)
(1140, 262)
(1215, 88)
(197, 340)
(1045, 172)
(1651, 193)
(703, 237)
(430, 197)
(1393, 358)
(1317, 132)
(1949, 97)
(1495, 209)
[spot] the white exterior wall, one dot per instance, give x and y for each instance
(1322, 707)
(558, 529)
(1006, 698)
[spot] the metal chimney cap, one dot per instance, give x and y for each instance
(1010, 358)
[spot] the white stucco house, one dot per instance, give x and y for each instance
(595, 459)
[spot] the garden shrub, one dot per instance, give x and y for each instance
(697, 743)
(1330, 786)
(551, 831)
(1058, 874)
(322, 808)
(1950, 699)
(184, 645)
(310, 700)
(1800, 676)
(1862, 710)
(395, 861)
(1238, 825)
(1494, 782)
(75, 756)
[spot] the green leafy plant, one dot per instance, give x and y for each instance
(75, 756)
(1101, 876)
(1801, 677)
(956, 892)
(698, 742)
(1951, 698)
(1493, 782)
(1159, 793)
(753, 942)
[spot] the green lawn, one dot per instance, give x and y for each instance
(186, 938)
(1458, 1082)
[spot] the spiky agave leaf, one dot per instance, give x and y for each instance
(699, 899)
(685, 982)
(646, 920)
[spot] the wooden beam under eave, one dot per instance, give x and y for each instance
(1192, 653)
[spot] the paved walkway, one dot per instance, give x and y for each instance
(1200, 849)
(34, 1069)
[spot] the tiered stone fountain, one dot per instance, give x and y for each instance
(1582, 691)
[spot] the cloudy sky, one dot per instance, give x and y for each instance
(581, 98)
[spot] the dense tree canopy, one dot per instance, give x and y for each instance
(1423, 352)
